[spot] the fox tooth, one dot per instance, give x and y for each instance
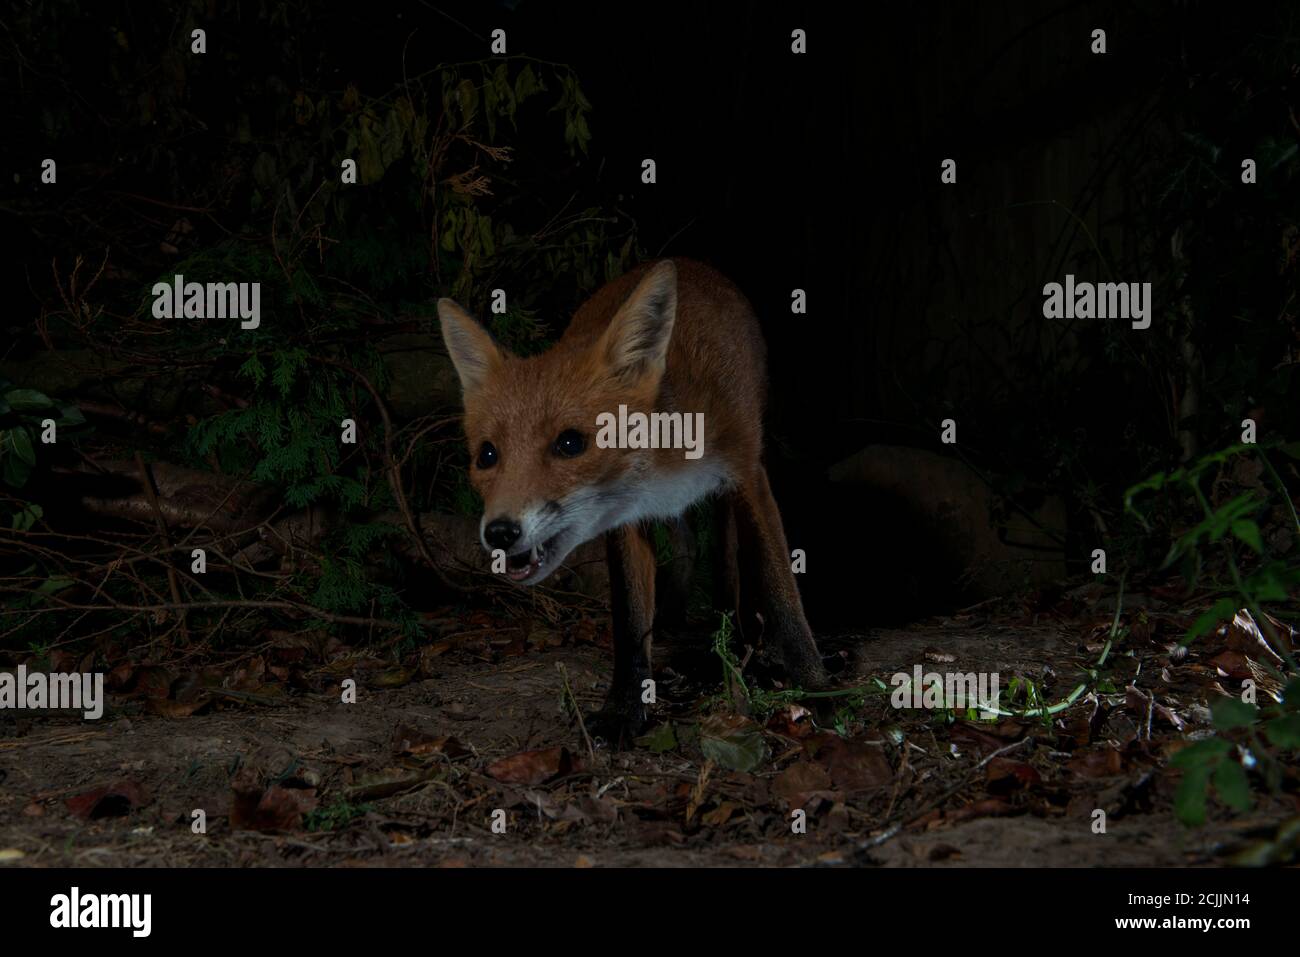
(532, 555)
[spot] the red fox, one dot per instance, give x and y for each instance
(668, 337)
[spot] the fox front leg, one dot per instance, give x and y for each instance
(632, 604)
(763, 545)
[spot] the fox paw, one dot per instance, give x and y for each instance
(801, 665)
(616, 726)
(808, 673)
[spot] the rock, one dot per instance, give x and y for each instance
(421, 377)
(956, 509)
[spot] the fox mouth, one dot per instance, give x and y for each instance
(528, 565)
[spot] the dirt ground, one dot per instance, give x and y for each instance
(444, 735)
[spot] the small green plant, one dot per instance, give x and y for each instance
(1246, 738)
(335, 816)
(24, 414)
(761, 704)
(1263, 739)
(1271, 580)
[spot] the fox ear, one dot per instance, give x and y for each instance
(472, 350)
(636, 343)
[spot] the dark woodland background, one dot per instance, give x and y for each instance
(818, 172)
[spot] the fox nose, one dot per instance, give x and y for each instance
(501, 533)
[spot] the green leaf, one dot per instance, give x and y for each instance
(1222, 609)
(526, 85)
(253, 369)
(28, 400)
(1153, 484)
(583, 102)
(1284, 731)
(1273, 582)
(70, 415)
(490, 97)
(467, 97)
(1248, 532)
(1189, 798)
(21, 441)
(1200, 753)
(1232, 785)
(1291, 695)
(450, 230)
(733, 742)
(1229, 713)
(1227, 515)
(27, 517)
(14, 471)
(660, 739)
(54, 583)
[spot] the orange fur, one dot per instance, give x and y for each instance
(671, 336)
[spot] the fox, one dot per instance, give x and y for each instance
(668, 336)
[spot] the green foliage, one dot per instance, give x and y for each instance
(760, 703)
(336, 816)
(1246, 738)
(458, 192)
(358, 575)
(1264, 740)
(23, 413)
(289, 433)
(1268, 580)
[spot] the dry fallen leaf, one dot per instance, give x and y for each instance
(407, 740)
(153, 681)
(1007, 774)
(274, 808)
(532, 767)
(1233, 664)
(733, 742)
(1142, 703)
(167, 708)
(792, 720)
(249, 676)
(392, 678)
(1243, 635)
(429, 655)
(1099, 763)
(721, 814)
(798, 783)
(114, 800)
(853, 765)
(988, 807)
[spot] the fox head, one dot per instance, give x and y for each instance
(531, 424)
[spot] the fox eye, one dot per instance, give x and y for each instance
(487, 455)
(570, 443)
